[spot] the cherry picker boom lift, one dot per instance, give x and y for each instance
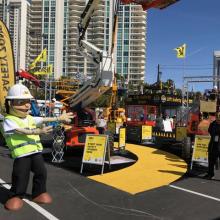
(104, 75)
(103, 78)
(92, 89)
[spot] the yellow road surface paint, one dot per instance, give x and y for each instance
(154, 168)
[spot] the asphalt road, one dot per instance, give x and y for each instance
(77, 197)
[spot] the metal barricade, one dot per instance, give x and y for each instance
(58, 144)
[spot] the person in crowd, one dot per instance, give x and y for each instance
(101, 122)
(50, 108)
(159, 123)
(21, 132)
(204, 123)
(214, 146)
(173, 122)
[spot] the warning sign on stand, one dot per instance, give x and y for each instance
(95, 150)
(122, 138)
(146, 132)
(181, 133)
(200, 150)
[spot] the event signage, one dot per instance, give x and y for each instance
(7, 73)
(146, 132)
(122, 138)
(95, 150)
(181, 133)
(200, 149)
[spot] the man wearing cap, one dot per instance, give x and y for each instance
(21, 132)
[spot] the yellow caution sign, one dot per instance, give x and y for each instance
(122, 138)
(146, 132)
(181, 133)
(95, 148)
(200, 150)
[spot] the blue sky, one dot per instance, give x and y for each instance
(194, 22)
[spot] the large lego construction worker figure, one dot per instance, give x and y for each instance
(21, 133)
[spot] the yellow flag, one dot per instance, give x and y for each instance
(181, 51)
(45, 70)
(41, 57)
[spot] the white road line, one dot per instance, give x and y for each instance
(38, 208)
(196, 193)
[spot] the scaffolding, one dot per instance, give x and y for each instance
(198, 79)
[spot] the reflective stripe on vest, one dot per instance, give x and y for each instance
(21, 144)
(27, 143)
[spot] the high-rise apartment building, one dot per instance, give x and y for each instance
(130, 54)
(131, 49)
(35, 34)
(15, 14)
(95, 35)
(52, 24)
(49, 29)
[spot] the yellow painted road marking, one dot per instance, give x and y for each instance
(154, 168)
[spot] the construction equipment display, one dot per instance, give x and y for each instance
(103, 79)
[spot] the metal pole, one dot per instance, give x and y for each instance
(50, 96)
(45, 96)
(187, 95)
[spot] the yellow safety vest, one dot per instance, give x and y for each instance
(21, 144)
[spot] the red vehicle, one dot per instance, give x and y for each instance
(141, 114)
(151, 109)
(83, 124)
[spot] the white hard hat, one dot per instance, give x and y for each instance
(19, 91)
(54, 100)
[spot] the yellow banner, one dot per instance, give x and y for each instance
(208, 106)
(122, 138)
(7, 72)
(41, 57)
(146, 132)
(181, 133)
(95, 148)
(181, 51)
(200, 150)
(45, 70)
